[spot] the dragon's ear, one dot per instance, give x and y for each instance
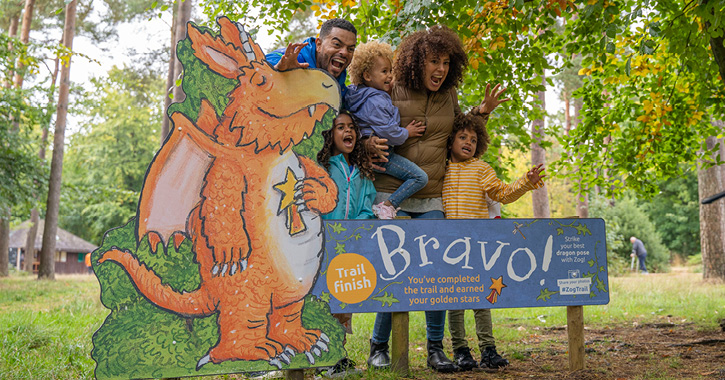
(235, 34)
(223, 58)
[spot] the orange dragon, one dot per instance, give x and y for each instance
(250, 206)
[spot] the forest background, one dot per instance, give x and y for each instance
(637, 141)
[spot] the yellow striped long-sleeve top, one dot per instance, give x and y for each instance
(467, 183)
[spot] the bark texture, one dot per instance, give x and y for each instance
(712, 218)
(540, 197)
(47, 252)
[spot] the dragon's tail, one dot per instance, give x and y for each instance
(194, 304)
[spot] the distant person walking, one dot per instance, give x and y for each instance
(640, 252)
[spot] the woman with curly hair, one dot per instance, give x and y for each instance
(429, 67)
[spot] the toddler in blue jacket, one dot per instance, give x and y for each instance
(368, 99)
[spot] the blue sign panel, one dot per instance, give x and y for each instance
(429, 264)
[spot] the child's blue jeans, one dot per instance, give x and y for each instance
(413, 177)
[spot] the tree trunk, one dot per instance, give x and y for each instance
(24, 36)
(34, 213)
(712, 229)
(47, 252)
(30, 240)
(582, 207)
(182, 18)
(12, 32)
(169, 81)
(540, 196)
(5, 248)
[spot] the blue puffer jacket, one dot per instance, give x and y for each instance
(375, 113)
(308, 54)
(355, 193)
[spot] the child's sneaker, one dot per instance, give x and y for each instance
(383, 211)
(491, 359)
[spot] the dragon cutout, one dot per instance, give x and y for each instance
(250, 206)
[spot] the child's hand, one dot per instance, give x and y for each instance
(415, 129)
(490, 99)
(534, 175)
(378, 149)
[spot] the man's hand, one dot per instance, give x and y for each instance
(491, 99)
(415, 129)
(289, 59)
(534, 175)
(378, 149)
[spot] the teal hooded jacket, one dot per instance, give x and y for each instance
(355, 193)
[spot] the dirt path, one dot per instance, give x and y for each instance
(660, 351)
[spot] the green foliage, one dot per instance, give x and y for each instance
(625, 219)
(675, 210)
(22, 174)
(105, 162)
(654, 56)
(164, 345)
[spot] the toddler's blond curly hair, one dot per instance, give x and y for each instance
(364, 59)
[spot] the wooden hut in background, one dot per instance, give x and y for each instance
(70, 250)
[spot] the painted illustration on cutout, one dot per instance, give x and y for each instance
(214, 273)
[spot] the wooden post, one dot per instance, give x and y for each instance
(575, 331)
(399, 347)
(294, 374)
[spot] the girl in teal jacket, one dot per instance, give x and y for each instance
(350, 167)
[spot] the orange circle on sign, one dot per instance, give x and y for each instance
(351, 278)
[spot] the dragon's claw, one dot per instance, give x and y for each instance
(324, 338)
(202, 361)
(316, 350)
(276, 362)
(322, 345)
(233, 269)
(243, 264)
(284, 358)
(289, 351)
(215, 270)
(224, 269)
(310, 358)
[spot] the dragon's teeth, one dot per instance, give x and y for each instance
(311, 110)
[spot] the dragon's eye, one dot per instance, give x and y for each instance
(258, 79)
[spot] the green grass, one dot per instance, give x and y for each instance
(46, 326)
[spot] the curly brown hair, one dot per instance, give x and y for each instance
(358, 157)
(474, 124)
(364, 59)
(409, 66)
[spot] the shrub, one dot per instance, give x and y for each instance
(623, 220)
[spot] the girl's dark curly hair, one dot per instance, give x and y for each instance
(471, 123)
(358, 157)
(410, 64)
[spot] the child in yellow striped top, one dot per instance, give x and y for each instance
(467, 183)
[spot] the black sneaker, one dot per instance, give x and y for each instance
(463, 359)
(491, 359)
(345, 367)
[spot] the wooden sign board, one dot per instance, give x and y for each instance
(426, 264)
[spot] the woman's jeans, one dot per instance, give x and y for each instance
(435, 321)
(413, 177)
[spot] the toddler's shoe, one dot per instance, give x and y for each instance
(383, 211)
